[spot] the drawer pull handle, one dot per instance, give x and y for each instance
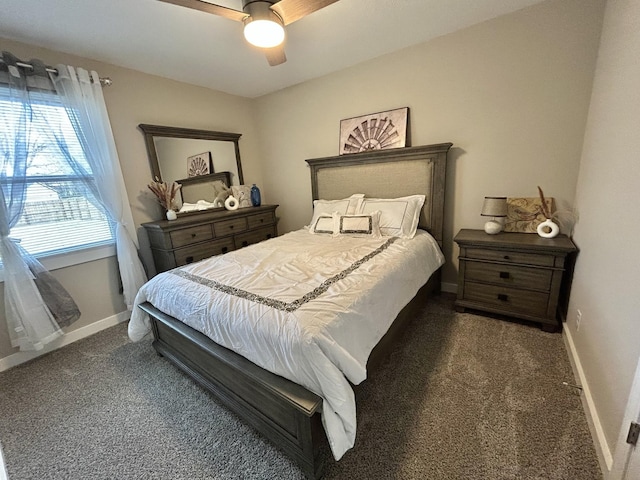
(506, 257)
(189, 259)
(504, 274)
(261, 220)
(230, 227)
(503, 297)
(193, 235)
(225, 249)
(245, 243)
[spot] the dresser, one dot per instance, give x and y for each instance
(196, 236)
(521, 275)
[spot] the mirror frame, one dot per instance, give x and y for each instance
(151, 131)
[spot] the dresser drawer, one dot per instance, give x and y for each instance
(187, 236)
(506, 298)
(509, 275)
(256, 221)
(228, 227)
(255, 236)
(198, 252)
(510, 257)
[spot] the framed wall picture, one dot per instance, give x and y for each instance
(375, 131)
(199, 164)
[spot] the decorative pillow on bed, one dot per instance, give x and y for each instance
(358, 225)
(399, 217)
(327, 207)
(325, 224)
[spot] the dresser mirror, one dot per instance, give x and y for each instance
(173, 150)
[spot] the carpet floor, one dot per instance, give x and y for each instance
(462, 396)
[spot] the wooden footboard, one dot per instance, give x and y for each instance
(283, 411)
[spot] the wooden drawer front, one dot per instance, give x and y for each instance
(511, 257)
(509, 275)
(203, 250)
(255, 236)
(517, 301)
(187, 236)
(228, 227)
(256, 221)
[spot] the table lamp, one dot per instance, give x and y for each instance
(494, 207)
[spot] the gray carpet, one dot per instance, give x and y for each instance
(462, 397)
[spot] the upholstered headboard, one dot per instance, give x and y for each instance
(387, 174)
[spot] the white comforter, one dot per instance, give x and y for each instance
(307, 307)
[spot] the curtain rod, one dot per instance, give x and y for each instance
(104, 81)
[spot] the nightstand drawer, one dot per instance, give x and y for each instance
(256, 221)
(228, 227)
(205, 250)
(511, 299)
(509, 275)
(187, 236)
(511, 257)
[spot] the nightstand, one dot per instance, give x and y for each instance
(521, 275)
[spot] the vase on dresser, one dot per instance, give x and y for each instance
(548, 229)
(255, 196)
(171, 215)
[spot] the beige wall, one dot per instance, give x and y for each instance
(136, 98)
(512, 95)
(607, 275)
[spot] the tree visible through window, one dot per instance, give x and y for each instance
(60, 213)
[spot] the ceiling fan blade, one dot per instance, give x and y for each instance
(292, 10)
(207, 7)
(275, 55)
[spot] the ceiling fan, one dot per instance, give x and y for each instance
(263, 20)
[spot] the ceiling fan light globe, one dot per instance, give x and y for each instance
(264, 33)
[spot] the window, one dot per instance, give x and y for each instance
(60, 213)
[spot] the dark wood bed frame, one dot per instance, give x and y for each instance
(283, 411)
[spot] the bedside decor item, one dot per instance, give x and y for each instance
(231, 203)
(548, 228)
(376, 131)
(166, 195)
(199, 164)
(242, 194)
(494, 207)
(255, 196)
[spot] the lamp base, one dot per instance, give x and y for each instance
(492, 227)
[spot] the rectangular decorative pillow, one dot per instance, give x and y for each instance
(358, 225)
(345, 206)
(324, 224)
(399, 217)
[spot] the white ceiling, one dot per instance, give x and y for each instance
(203, 49)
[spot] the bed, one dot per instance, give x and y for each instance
(283, 405)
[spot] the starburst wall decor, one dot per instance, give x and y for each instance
(376, 131)
(199, 165)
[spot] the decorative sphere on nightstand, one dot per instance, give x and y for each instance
(492, 227)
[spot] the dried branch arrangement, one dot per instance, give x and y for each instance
(544, 208)
(164, 192)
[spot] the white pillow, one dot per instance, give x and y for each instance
(399, 217)
(324, 224)
(345, 206)
(358, 225)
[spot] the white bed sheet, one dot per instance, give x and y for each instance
(314, 300)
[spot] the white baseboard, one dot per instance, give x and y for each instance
(449, 287)
(73, 336)
(603, 451)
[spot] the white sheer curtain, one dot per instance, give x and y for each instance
(81, 94)
(30, 321)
